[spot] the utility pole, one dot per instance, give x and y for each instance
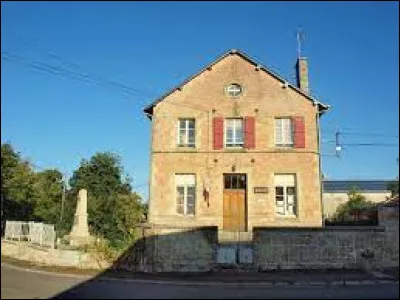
(63, 198)
(338, 148)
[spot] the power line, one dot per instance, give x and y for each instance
(40, 66)
(99, 77)
(356, 130)
(371, 144)
(85, 77)
(52, 69)
(370, 134)
(82, 77)
(328, 141)
(103, 82)
(52, 54)
(347, 131)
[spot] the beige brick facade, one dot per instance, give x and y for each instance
(203, 98)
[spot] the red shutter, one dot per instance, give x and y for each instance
(299, 132)
(218, 130)
(249, 133)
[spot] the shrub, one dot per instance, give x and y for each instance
(356, 211)
(102, 249)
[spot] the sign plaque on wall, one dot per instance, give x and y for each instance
(260, 190)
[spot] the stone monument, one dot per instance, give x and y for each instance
(80, 230)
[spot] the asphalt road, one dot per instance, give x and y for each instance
(18, 283)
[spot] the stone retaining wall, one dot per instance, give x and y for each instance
(51, 257)
(169, 249)
(330, 247)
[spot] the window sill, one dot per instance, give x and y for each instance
(186, 216)
(235, 149)
(186, 148)
(285, 217)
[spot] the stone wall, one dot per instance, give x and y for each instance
(171, 249)
(163, 249)
(330, 247)
(51, 257)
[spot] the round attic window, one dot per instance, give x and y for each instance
(234, 90)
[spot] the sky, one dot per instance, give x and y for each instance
(56, 119)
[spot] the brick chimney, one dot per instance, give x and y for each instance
(302, 74)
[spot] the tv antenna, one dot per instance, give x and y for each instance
(300, 40)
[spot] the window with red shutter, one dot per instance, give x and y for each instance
(234, 133)
(284, 132)
(218, 133)
(299, 132)
(249, 133)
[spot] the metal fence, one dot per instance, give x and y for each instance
(34, 232)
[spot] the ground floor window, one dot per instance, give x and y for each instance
(285, 194)
(185, 194)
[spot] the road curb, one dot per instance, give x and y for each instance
(189, 283)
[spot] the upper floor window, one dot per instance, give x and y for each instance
(186, 133)
(185, 193)
(234, 90)
(284, 132)
(233, 133)
(285, 194)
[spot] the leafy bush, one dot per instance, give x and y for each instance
(102, 249)
(356, 211)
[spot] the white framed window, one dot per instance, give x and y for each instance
(234, 90)
(233, 133)
(284, 132)
(185, 194)
(285, 195)
(186, 133)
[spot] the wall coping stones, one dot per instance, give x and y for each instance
(166, 226)
(322, 229)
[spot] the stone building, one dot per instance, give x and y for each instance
(236, 146)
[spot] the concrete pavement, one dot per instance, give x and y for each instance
(18, 283)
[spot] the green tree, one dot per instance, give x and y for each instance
(17, 179)
(48, 186)
(129, 212)
(110, 200)
(352, 209)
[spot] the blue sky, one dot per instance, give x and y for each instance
(56, 121)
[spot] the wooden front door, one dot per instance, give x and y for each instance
(234, 202)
